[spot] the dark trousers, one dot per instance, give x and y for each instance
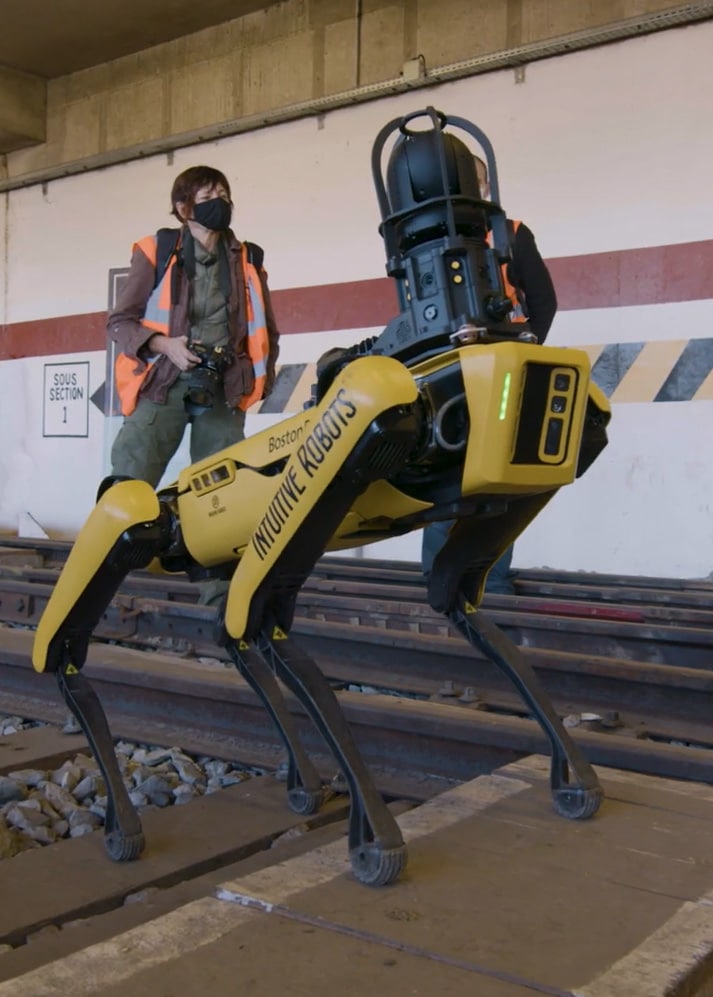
(500, 575)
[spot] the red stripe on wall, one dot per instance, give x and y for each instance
(651, 276)
(45, 336)
(358, 304)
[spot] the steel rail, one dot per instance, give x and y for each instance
(417, 737)
(627, 666)
(666, 701)
(401, 654)
(45, 552)
(587, 602)
(658, 636)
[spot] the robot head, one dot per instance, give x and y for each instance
(446, 245)
(430, 172)
(431, 189)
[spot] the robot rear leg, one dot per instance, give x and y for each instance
(127, 528)
(123, 837)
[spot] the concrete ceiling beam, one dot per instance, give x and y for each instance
(23, 110)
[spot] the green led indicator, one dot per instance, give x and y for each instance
(504, 395)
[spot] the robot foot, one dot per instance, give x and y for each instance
(376, 848)
(576, 791)
(123, 837)
(377, 866)
(577, 803)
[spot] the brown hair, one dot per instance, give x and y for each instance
(187, 184)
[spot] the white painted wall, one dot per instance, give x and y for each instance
(601, 150)
(4, 226)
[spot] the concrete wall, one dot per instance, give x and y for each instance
(292, 52)
(604, 156)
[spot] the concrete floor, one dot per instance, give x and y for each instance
(501, 898)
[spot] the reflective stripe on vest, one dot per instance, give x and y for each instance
(130, 373)
(517, 314)
(258, 345)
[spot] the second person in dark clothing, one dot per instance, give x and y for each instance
(529, 286)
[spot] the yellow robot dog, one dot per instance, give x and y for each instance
(452, 413)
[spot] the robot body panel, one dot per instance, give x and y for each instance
(217, 523)
(259, 452)
(524, 432)
(364, 391)
(377, 511)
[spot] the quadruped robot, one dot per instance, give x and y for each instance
(453, 413)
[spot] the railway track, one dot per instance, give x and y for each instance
(654, 630)
(65, 893)
(627, 661)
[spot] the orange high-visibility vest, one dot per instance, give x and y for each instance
(130, 374)
(258, 344)
(518, 313)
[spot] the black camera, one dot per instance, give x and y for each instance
(205, 376)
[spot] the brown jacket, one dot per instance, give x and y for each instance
(125, 329)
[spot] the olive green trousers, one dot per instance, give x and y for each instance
(152, 434)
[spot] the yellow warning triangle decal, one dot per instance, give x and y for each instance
(243, 646)
(278, 634)
(71, 670)
(469, 608)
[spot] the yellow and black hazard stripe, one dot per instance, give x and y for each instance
(672, 370)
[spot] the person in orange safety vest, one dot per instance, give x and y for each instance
(195, 332)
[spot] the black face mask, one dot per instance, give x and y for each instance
(214, 214)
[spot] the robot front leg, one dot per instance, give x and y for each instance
(304, 786)
(263, 591)
(456, 587)
(381, 427)
(127, 528)
(376, 847)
